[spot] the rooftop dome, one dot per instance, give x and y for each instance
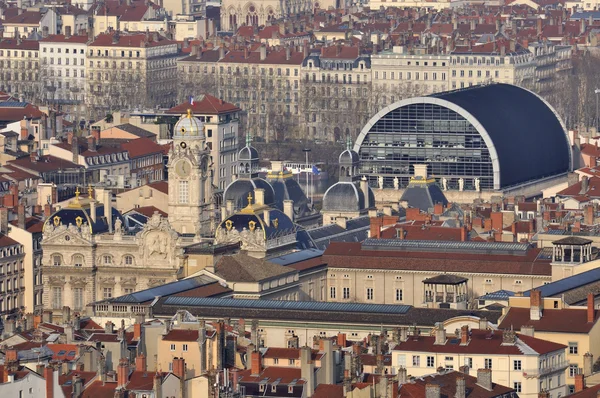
(248, 153)
(239, 189)
(346, 196)
(279, 223)
(348, 157)
(189, 126)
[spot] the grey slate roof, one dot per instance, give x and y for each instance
(351, 313)
(243, 268)
(424, 196)
(574, 289)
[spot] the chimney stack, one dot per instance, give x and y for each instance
(464, 335)
(123, 373)
(307, 369)
(440, 334)
(579, 382)
(535, 307)
(432, 391)
(484, 378)
(4, 220)
(140, 362)
(461, 387)
(21, 216)
(256, 363)
(49, 376)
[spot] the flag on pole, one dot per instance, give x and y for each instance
(191, 100)
(315, 170)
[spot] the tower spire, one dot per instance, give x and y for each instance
(248, 139)
(348, 142)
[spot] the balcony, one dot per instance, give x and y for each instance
(534, 373)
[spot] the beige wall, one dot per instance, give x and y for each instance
(502, 368)
(386, 282)
(141, 197)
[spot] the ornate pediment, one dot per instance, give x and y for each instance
(128, 281)
(56, 280)
(78, 281)
(153, 282)
(106, 280)
(158, 241)
(69, 235)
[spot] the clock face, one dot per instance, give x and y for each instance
(183, 168)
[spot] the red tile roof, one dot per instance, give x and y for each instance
(149, 211)
(130, 40)
(574, 190)
(68, 351)
(272, 373)
(591, 392)
(5, 241)
(25, 18)
(141, 381)
(14, 44)
(447, 383)
(351, 255)
(590, 150)
(206, 105)
(64, 39)
(13, 114)
(44, 164)
(32, 224)
(181, 335)
(481, 342)
(552, 320)
(99, 389)
(141, 147)
(329, 391)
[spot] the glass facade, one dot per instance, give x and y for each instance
(426, 134)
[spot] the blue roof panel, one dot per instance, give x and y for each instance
(566, 284)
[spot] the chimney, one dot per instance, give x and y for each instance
(440, 334)
(21, 216)
(288, 209)
(464, 369)
(590, 308)
(464, 335)
(287, 53)
(24, 131)
(77, 386)
(588, 364)
(256, 363)
(307, 370)
(234, 379)
(341, 340)
(402, 377)
(137, 331)
(68, 334)
(263, 53)
(123, 372)
(364, 187)
(579, 382)
(157, 385)
(67, 32)
(91, 143)
(108, 327)
(33, 156)
(179, 368)
(4, 220)
(329, 361)
(140, 362)
(107, 201)
(202, 345)
(539, 26)
(432, 391)
(535, 308)
(528, 330)
(49, 376)
(484, 378)
(461, 387)
(75, 149)
(403, 334)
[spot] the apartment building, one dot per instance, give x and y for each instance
(19, 67)
(543, 317)
(62, 72)
(397, 271)
(498, 61)
(400, 74)
(529, 365)
(12, 273)
(266, 84)
(335, 94)
(27, 231)
(221, 127)
(127, 71)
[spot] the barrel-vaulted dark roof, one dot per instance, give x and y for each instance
(528, 136)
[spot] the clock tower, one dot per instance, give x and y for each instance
(190, 176)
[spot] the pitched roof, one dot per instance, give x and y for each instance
(44, 164)
(447, 383)
(243, 268)
(11, 113)
(481, 342)
(65, 39)
(32, 224)
(205, 105)
(129, 40)
(591, 392)
(552, 320)
(181, 335)
(141, 147)
(25, 18)
(352, 255)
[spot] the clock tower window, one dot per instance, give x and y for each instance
(184, 192)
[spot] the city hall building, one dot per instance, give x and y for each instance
(484, 138)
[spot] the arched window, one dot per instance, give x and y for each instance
(56, 260)
(128, 260)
